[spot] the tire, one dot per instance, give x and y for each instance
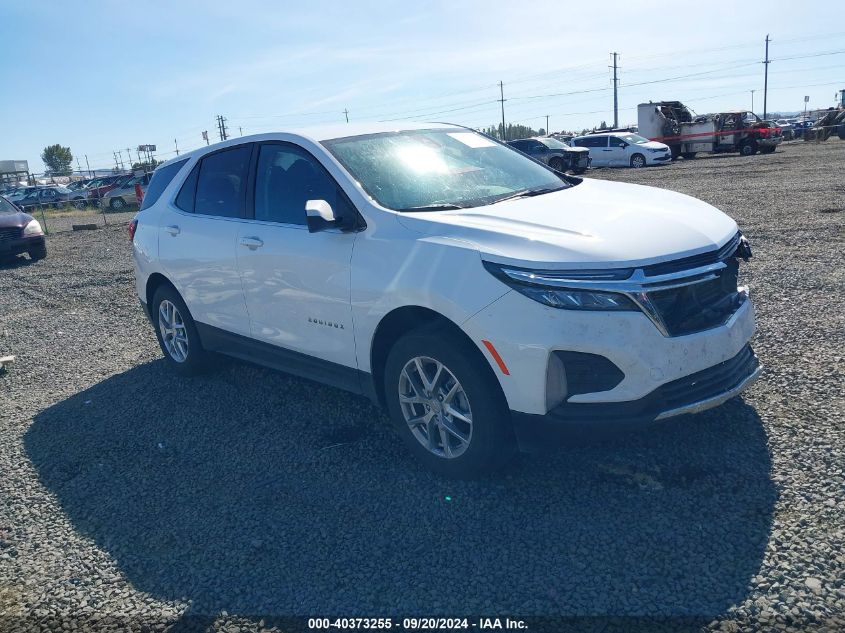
(748, 148)
(189, 358)
(557, 164)
(637, 161)
(579, 172)
(675, 150)
(768, 150)
(79, 203)
(689, 155)
(116, 204)
(40, 252)
(467, 390)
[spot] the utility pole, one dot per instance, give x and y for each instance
(221, 127)
(177, 146)
(346, 113)
(502, 100)
(752, 100)
(78, 166)
(116, 164)
(547, 125)
(766, 79)
(88, 165)
(615, 92)
(241, 130)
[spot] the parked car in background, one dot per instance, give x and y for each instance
(99, 187)
(801, 127)
(476, 294)
(21, 192)
(555, 153)
(20, 233)
(54, 196)
(623, 149)
(123, 194)
(787, 129)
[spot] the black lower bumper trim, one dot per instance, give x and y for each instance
(537, 430)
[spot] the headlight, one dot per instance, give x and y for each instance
(33, 228)
(549, 287)
(656, 149)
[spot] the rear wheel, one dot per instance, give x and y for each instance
(177, 333)
(689, 155)
(446, 404)
(767, 150)
(637, 160)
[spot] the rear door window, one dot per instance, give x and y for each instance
(161, 178)
(221, 183)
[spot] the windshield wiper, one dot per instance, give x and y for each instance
(437, 206)
(528, 193)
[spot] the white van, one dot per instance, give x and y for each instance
(478, 295)
(623, 149)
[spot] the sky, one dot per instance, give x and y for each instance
(102, 76)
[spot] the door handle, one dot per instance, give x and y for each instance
(173, 230)
(251, 242)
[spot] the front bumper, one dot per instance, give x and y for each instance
(691, 394)
(526, 334)
(10, 248)
(661, 159)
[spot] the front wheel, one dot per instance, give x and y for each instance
(39, 252)
(637, 161)
(176, 332)
(446, 404)
(116, 204)
(557, 164)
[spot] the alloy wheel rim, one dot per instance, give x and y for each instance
(435, 407)
(638, 162)
(174, 335)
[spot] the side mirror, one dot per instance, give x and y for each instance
(320, 216)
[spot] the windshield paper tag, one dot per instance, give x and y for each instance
(471, 139)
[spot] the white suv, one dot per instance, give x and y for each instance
(623, 149)
(478, 295)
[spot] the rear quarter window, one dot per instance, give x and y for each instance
(161, 178)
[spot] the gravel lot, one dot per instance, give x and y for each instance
(132, 499)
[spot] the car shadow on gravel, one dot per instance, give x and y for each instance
(261, 494)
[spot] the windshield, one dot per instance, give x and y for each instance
(553, 143)
(6, 206)
(417, 170)
(633, 139)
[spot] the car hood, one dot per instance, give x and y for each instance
(654, 145)
(593, 224)
(576, 150)
(14, 220)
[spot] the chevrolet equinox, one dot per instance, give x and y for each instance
(482, 298)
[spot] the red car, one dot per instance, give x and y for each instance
(20, 233)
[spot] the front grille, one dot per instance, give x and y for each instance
(699, 306)
(10, 233)
(710, 382)
(695, 261)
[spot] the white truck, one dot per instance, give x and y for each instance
(673, 123)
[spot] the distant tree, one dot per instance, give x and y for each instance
(512, 131)
(58, 160)
(603, 126)
(541, 131)
(147, 165)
